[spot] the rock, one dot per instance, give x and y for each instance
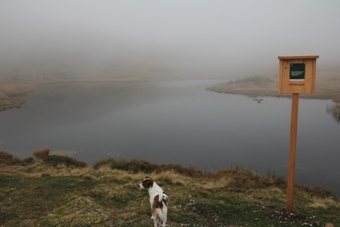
(329, 225)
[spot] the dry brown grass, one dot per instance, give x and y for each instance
(8, 158)
(39, 169)
(321, 203)
(43, 165)
(42, 154)
(137, 166)
(218, 183)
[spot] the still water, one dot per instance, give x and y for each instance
(176, 122)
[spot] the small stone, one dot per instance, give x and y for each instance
(329, 225)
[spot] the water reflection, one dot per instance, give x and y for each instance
(334, 111)
(257, 99)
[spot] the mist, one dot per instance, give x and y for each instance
(162, 39)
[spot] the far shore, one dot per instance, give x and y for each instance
(12, 93)
(325, 89)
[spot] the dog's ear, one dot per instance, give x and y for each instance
(147, 182)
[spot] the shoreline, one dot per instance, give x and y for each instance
(12, 93)
(324, 91)
(60, 157)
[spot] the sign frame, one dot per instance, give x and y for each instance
(305, 81)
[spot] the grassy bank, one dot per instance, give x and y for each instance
(11, 95)
(49, 190)
(326, 87)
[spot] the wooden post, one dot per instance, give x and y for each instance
(292, 154)
(296, 76)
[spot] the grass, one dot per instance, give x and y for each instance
(42, 193)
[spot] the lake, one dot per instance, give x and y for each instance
(176, 122)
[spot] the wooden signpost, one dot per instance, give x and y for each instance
(296, 75)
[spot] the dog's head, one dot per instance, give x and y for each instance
(147, 183)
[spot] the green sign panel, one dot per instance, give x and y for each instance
(297, 72)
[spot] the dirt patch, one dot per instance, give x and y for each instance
(211, 214)
(288, 218)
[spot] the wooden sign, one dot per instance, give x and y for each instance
(297, 74)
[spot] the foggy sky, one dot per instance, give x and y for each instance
(175, 32)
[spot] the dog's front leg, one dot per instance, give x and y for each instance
(155, 222)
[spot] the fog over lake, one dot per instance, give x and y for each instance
(171, 38)
(176, 122)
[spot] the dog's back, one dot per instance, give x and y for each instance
(158, 200)
(160, 209)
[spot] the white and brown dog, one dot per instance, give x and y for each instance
(158, 201)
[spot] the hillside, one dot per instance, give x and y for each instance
(50, 190)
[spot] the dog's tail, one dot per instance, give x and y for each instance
(157, 203)
(162, 203)
(165, 200)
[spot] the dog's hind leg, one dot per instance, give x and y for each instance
(155, 220)
(164, 223)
